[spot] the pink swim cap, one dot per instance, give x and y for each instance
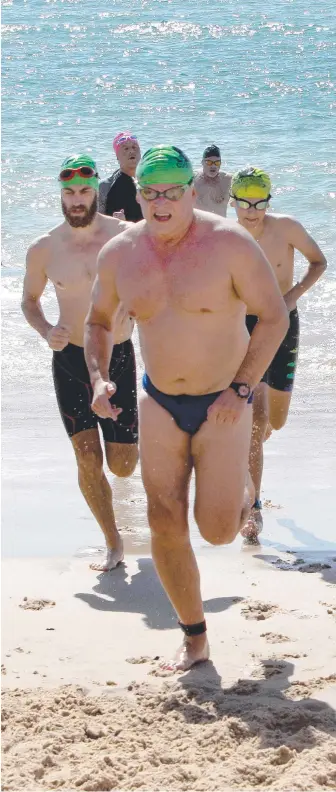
(123, 137)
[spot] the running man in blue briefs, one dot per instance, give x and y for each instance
(278, 236)
(186, 277)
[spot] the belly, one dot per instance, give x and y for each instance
(193, 354)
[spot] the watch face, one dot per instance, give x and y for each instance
(244, 391)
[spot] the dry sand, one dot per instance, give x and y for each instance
(85, 705)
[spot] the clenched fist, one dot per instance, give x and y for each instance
(58, 337)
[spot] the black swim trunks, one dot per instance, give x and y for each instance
(74, 393)
(281, 372)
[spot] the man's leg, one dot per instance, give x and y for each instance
(279, 403)
(166, 468)
(98, 494)
(254, 524)
(121, 458)
(281, 374)
(224, 488)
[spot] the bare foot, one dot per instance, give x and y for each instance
(269, 430)
(112, 558)
(253, 527)
(193, 650)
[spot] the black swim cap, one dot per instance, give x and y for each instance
(212, 151)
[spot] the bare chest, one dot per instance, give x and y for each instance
(191, 284)
(72, 269)
(279, 254)
(212, 191)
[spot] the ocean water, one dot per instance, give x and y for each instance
(256, 78)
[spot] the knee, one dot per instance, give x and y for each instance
(278, 421)
(167, 517)
(218, 529)
(123, 465)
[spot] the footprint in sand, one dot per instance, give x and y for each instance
(331, 609)
(142, 659)
(259, 610)
(269, 505)
(36, 604)
(273, 638)
(162, 672)
(300, 690)
(292, 656)
(269, 668)
(244, 687)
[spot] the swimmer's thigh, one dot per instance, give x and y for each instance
(165, 466)
(220, 454)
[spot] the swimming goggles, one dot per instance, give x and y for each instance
(258, 205)
(126, 138)
(213, 162)
(84, 171)
(172, 194)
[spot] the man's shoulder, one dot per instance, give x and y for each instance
(220, 226)
(43, 243)
(282, 224)
(126, 238)
(110, 180)
(225, 178)
(112, 226)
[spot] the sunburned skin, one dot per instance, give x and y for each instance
(182, 274)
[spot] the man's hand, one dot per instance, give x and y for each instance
(58, 337)
(102, 392)
(119, 215)
(228, 408)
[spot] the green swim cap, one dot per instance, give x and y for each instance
(75, 162)
(251, 183)
(164, 165)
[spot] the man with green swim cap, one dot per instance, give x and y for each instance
(164, 165)
(278, 236)
(186, 276)
(67, 256)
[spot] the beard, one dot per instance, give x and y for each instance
(83, 220)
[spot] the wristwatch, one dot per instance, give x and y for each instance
(242, 389)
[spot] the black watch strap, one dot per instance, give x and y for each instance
(242, 389)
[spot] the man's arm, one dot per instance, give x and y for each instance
(300, 240)
(34, 283)
(98, 338)
(255, 284)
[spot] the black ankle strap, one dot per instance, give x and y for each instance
(193, 629)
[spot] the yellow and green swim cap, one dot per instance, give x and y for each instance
(164, 165)
(251, 183)
(79, 169)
